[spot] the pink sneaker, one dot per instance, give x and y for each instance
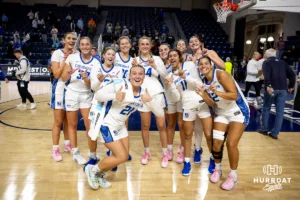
(229, 183)
(67, 148)
(145, 158)
(179, 149)
(56, 155)
(170, 154)
(164, 161)
(215, 177)
(180, 158)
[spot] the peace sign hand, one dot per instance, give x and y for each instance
(152, 63)
(84, 74)
(169, 80)
(71, 70)
(101, 76)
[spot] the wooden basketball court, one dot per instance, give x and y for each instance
(27, 170)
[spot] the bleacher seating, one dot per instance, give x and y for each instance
(200, 22)
(19, 21)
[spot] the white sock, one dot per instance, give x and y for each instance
(67, 142)
(93, 155)
(164, 150)
(95, 169)
(182, 149)
(170, 146)
(55, 147)
(147, 149)
(74, 150)
(233, 173)
(211, 156)
(219, 166)
(186, 159)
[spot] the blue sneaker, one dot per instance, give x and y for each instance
(186, 169)
(129, 157)
(114, 169)
(90, 162)
(211, 166)
(197, 155)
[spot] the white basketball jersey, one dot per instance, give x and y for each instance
(190, 99)
(125, 65)
(168, 92)
(76, 82)
(114, 70)
(152, 82)
(223, 105)
(58, 85)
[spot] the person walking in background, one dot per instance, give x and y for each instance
(276, 73)
(54, 33)
(279, 48)
(251, 79)
(228, 66)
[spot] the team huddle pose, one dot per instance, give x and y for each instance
(191, 90)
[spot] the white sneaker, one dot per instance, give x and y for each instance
(103, 182)
(92, 177)
(78, 158)
(21, 105)
(32, 106)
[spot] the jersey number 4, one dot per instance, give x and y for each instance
(127, 110)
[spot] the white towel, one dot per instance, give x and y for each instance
(97, 121)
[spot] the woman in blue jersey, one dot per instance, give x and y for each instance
(173, 110)
(115, 110)
(232, 116)
(78, 94)
(58, 59)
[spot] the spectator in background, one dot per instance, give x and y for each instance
(164, 29)
(131, 32)
(251, 79)
(163, 38)
(134, 49)
(41, 23)
(260, 74)
(95, 53)
(16, 36)
(10, 50)
(91, 31)
(118, 28)
(17, 45)
(154, 48)
(115, 36)
(92, 22)
(54, 33)
(276, 73)
(38, 63)
(72, 25)
(280, 47)
(80, 23)
(125, 31)
(36, 15)
(170, 40)
(44, 34)
(30, 16)
(109, 28)
(26, 49)
(34, 25)
(69, 18)
(4, 20)
(228, 66)
(26, 37)
(243, 69)
(115, 46)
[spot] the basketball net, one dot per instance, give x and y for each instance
(222, 9)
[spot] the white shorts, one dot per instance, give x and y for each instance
(57, 101)
(77, 100)
(202, 112)
(109, 134)
(233, 116)
(174, 107)
(159, 98)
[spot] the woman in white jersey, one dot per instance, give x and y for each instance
(123, 59)
(78, 94)
(181, 45)
(232, 116)
(154, 67)
(183, 81)
(57, 104)
(115, 110)
(174, 109)
(99, 75)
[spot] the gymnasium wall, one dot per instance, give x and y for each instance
(291, 24)
(184, 4)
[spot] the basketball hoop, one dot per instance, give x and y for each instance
(222, 9)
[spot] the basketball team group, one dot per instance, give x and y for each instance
(191, 90)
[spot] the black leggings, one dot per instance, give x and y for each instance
(256, 85)
(23, 91)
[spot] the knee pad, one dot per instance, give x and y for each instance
(220, 135)
(217, 155)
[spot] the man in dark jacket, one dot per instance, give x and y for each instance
(276, 73)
